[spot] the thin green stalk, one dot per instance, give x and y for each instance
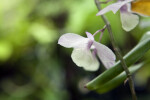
(117, 51)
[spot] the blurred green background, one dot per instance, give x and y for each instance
(34, 67)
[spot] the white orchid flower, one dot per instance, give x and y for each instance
(85, 51)
(128, 19)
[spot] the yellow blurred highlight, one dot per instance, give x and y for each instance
(141, 7)
(5, 50)
(43, 34)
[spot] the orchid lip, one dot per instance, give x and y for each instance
(124, 8)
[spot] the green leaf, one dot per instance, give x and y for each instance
(118, 79)
(130, 58)
(145, 36)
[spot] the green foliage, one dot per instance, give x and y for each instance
(5, 50)
(32, 65)
(117, 80)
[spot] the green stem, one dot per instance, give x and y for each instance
(117, 51)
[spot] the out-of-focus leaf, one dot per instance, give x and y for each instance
(145, 36)
(78, 15)
(47, 7)
(5, 50)
(142, 76)
(42, 34)
(144, 23)
(19, 91)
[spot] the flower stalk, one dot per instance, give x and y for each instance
(117, 51)
(102, 31)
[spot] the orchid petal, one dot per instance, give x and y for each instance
(129, 20)
(71, 40)
(89, 35)
(113, 7)
(106, 55)
(83, 57)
